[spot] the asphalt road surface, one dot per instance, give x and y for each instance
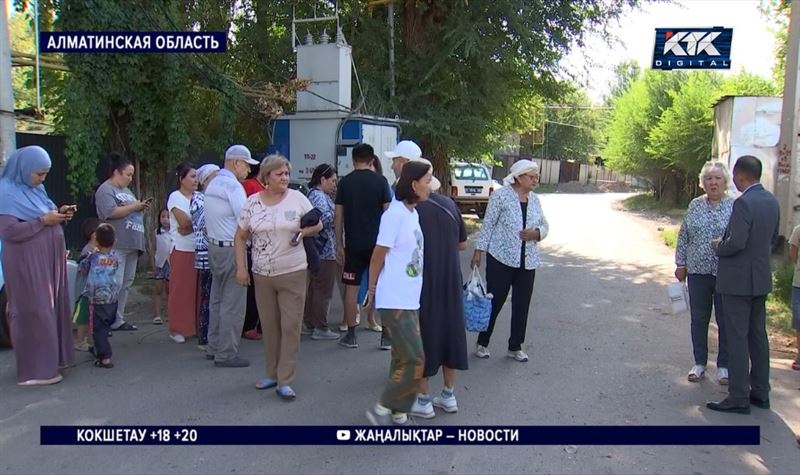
(604, 350)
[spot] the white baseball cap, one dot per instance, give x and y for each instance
(240, 152)
(406, 149)
(411, 151)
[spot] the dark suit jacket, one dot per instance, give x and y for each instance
(746, 247)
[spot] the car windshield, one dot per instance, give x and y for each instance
(470, 173)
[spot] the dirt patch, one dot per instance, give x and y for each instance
(600, 187)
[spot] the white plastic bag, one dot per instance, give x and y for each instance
(476, 286)
(679, 297)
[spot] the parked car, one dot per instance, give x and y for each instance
(300, 186)
(472, 185)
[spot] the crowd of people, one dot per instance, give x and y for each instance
(238, 256)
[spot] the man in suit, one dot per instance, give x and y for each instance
(744, 279)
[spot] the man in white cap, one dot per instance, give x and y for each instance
(224, 199)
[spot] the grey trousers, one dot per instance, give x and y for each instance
(748, 347)
(128, 260)
(226, 306)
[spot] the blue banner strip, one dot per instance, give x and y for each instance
(416, 435)
(690, 48)
(133, 42)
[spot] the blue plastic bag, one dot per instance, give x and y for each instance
(477, 303)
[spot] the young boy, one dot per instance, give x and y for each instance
(100, 269)
(80, 315)
(794, 242)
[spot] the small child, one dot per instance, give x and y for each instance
(80, 315)
(794, 242)
(102, 289)
(160, 264)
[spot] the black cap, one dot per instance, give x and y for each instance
(364, 153)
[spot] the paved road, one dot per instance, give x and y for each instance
(603, 351)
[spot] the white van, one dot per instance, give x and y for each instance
(472, 185)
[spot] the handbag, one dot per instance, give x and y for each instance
(679, 297)
(477, 303)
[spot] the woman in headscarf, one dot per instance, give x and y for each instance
(35, 263)
(510, 235)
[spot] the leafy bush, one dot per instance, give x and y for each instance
(779, 303)
(670, 237)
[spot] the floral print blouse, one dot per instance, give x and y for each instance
(703, 223)
(501, 226)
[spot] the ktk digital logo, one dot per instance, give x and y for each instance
(693, 48)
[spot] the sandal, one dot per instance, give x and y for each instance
(722, 376)
(100, 364)
(374, 327)
(696, 374)
(158, 321)
(796, 364)
(127, 327)
(266, 383)
(286, 393)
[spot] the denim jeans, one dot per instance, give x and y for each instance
(701, 298)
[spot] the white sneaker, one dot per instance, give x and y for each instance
(402, 419)
(178, 338)
(424, 411)
(447, 404)
(481, 352)
(518, 355)
(722, 376)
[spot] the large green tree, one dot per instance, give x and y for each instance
(572, 129)
(468, 72)
(661, 126)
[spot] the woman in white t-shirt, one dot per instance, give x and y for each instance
(270, 220)
(395, 284)
(183, 287)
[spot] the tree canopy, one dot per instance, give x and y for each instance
(661, 126)
(467, 72)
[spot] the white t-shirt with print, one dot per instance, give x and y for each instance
(271, 230)
(400, 282)
(178, 201)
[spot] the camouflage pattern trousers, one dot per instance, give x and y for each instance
(408, 359)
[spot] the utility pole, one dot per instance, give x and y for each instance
(7, 138)
(390, 19)
(789, 144)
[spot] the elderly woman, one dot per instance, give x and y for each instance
(512, 228)
(183, 288)
(696, 262)
(270, 219)
(205, 174)
(117, 205)
(34, 260)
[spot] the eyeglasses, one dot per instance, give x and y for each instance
(532, 176)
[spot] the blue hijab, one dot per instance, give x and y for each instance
(18, 197)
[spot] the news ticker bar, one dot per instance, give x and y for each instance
(392, 435)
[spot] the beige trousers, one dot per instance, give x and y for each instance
(281, 300)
